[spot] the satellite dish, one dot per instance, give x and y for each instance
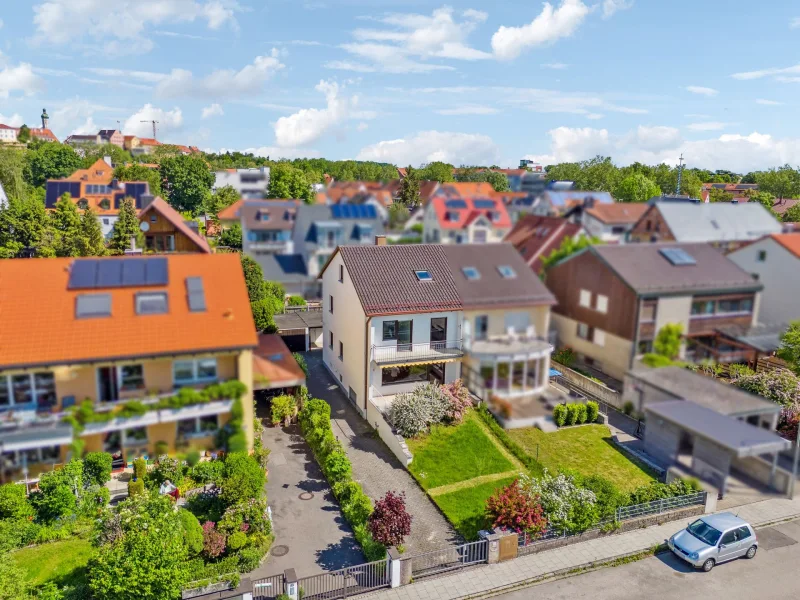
(144, 226)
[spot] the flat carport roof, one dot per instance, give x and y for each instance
(298, 320)
(740, 438)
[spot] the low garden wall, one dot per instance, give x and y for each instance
(761, 470)
(395, 442)
(590, 386)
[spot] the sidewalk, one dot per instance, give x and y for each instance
(479, 581)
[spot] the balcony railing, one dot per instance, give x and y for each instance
(426, 351)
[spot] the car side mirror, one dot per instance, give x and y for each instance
(721, 545)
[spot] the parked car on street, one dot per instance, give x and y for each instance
(714, 539)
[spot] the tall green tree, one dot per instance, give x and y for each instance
(567, 248)
(409, 188)
(231, 237)
(221, 198)
(126, 227)
(253, 278)
(498, 180)
(24, 134)
(717, 195)
(437, 171)
(49, 160)
(94, 243)
(12, 172)
(636, 188)
(66, 221)
(792, 214)
(765, 199)
(136, 172)
(790, 346)
(24, 223)
(187, 182)
(286, 181)
(783, 182)
(93, 152)
(668, 340)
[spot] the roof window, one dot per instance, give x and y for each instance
(151, 303)
(89, 306)
(471, 273)
(423, 275)
(506, 272)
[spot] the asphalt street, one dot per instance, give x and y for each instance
(771, 574)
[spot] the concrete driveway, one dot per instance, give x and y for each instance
(311, 535)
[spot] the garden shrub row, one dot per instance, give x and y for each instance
(315, 424)
(534, 467)
(575, 413)
(413, 413)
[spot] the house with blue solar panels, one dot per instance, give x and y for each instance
(465, 220)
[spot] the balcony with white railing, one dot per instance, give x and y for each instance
(425, 351)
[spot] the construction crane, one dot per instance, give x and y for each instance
(154, 127)
(680, 173)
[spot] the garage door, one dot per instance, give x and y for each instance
(296, 343)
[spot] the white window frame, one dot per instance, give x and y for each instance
(133, 442)
(16, 454)
(119, 377)
(578, 332)
(601, 304)
(195, 365)
(197, 431)
(599, 337)
(34, 391)
(585, 299)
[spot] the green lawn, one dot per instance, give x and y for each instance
(60, 562)
(451, 454)
(465, 509)
(587, 449)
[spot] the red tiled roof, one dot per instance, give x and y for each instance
(38, 132)
(231, 213)
(465, 188)
(450, 217)
(274, 366)
(160, 206)
(536, 237)
(781, 206)
(790, 241)
(619, 212)
(39, 325)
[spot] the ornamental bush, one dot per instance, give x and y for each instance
(243, 479)
(511, 508)
(213, 540)
(581, 411)
(192, 532)
(390, 523)
(166, 468)
(592, 410)
(284, 409)
(337, 466)
(572, 414)
(139, 468)
(781, 386)
(237, 541)
(560, 414)
(13, 502)
(135, 487)
(96, 468)
(414, 412)
(567, 506)
(207, 471)
(459, 401)
(249, 517)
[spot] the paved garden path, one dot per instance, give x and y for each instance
(317, 536)
(375, 467)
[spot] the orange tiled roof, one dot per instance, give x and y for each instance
(39, 132)
(619, 212)
(99, 172)
(790, 241)
(231, 213)
(149, 142)
(47, 332)
(466, 188)
(274, 366)
(160, 206)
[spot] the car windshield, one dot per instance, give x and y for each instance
(704, 532)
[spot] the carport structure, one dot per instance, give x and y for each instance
(300, 329)
(715, 443)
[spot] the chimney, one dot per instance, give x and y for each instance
(133, 249)
(146, 200)
(380, 240)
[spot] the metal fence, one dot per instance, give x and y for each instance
(268, 588)
(660, 506)
(423, 351)
(449, 559)
(345, 582)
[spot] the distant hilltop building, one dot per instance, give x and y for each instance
(531, 165)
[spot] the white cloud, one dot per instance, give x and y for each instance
(429, 146)
(703, 91)
(612, 6)
(139, 123)
(14, 120)
(87, 127)
(19, 78)
(411, 40)
(795, 23)
(215, 110)
(309, 124)
(122, 26)
(707, 126)
(469, 109)
(362, 126)
(556, 66)
(222, 83)
(77, 115)
(653, 145)
(276, 153)
(594, 116)
(549, 26)
(764, 102)
(145, 76)
(747, 75)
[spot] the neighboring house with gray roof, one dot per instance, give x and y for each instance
(726, 225)
(613, 300)
(396, 316)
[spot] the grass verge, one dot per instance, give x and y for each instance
(63, 563)
(466, 508)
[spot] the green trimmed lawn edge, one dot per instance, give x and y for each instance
(63, 562)
(450, 454)
(466, 509)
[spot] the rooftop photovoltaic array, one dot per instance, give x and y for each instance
(678, 256)
(484, 204)
(353, 211)
(87, 274)
(56, 189)
(456, 204)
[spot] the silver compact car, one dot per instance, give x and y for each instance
(713, 539)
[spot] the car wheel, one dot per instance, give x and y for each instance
(751, 552)
(708, 565)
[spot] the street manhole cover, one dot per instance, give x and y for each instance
(279, 550)
(306, 496)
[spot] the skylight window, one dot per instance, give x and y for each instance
(507, 272)
(423, 275)
(471, 273)
(151, 303)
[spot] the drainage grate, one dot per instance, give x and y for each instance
(306, 496)
(279, 550)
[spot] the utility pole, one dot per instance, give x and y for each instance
(680, 174)
(154, 127)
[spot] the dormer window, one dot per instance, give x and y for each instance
(263, 216)
(83, 204)
(105, 204)
(423, 275)
(471, 273)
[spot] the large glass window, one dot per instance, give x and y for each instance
(194, 371)
(131, 377)
(198, 427)
(481, 327)
(28, 388)
(45, 389)
(412, 374)
(22, 389)
(134, 436)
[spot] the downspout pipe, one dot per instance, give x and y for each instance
(366, 364)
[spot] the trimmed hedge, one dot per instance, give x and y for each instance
(575, 413)
(315, 424)
(534, 466)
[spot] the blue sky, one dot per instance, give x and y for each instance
(414, 81)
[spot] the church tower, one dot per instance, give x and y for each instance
(45, 118)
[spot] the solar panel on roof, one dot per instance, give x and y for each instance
(82, 275)
(677, 256)
(109, 273)
(156, 271)
(134, 272)
(455, 204)
(485, 204)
